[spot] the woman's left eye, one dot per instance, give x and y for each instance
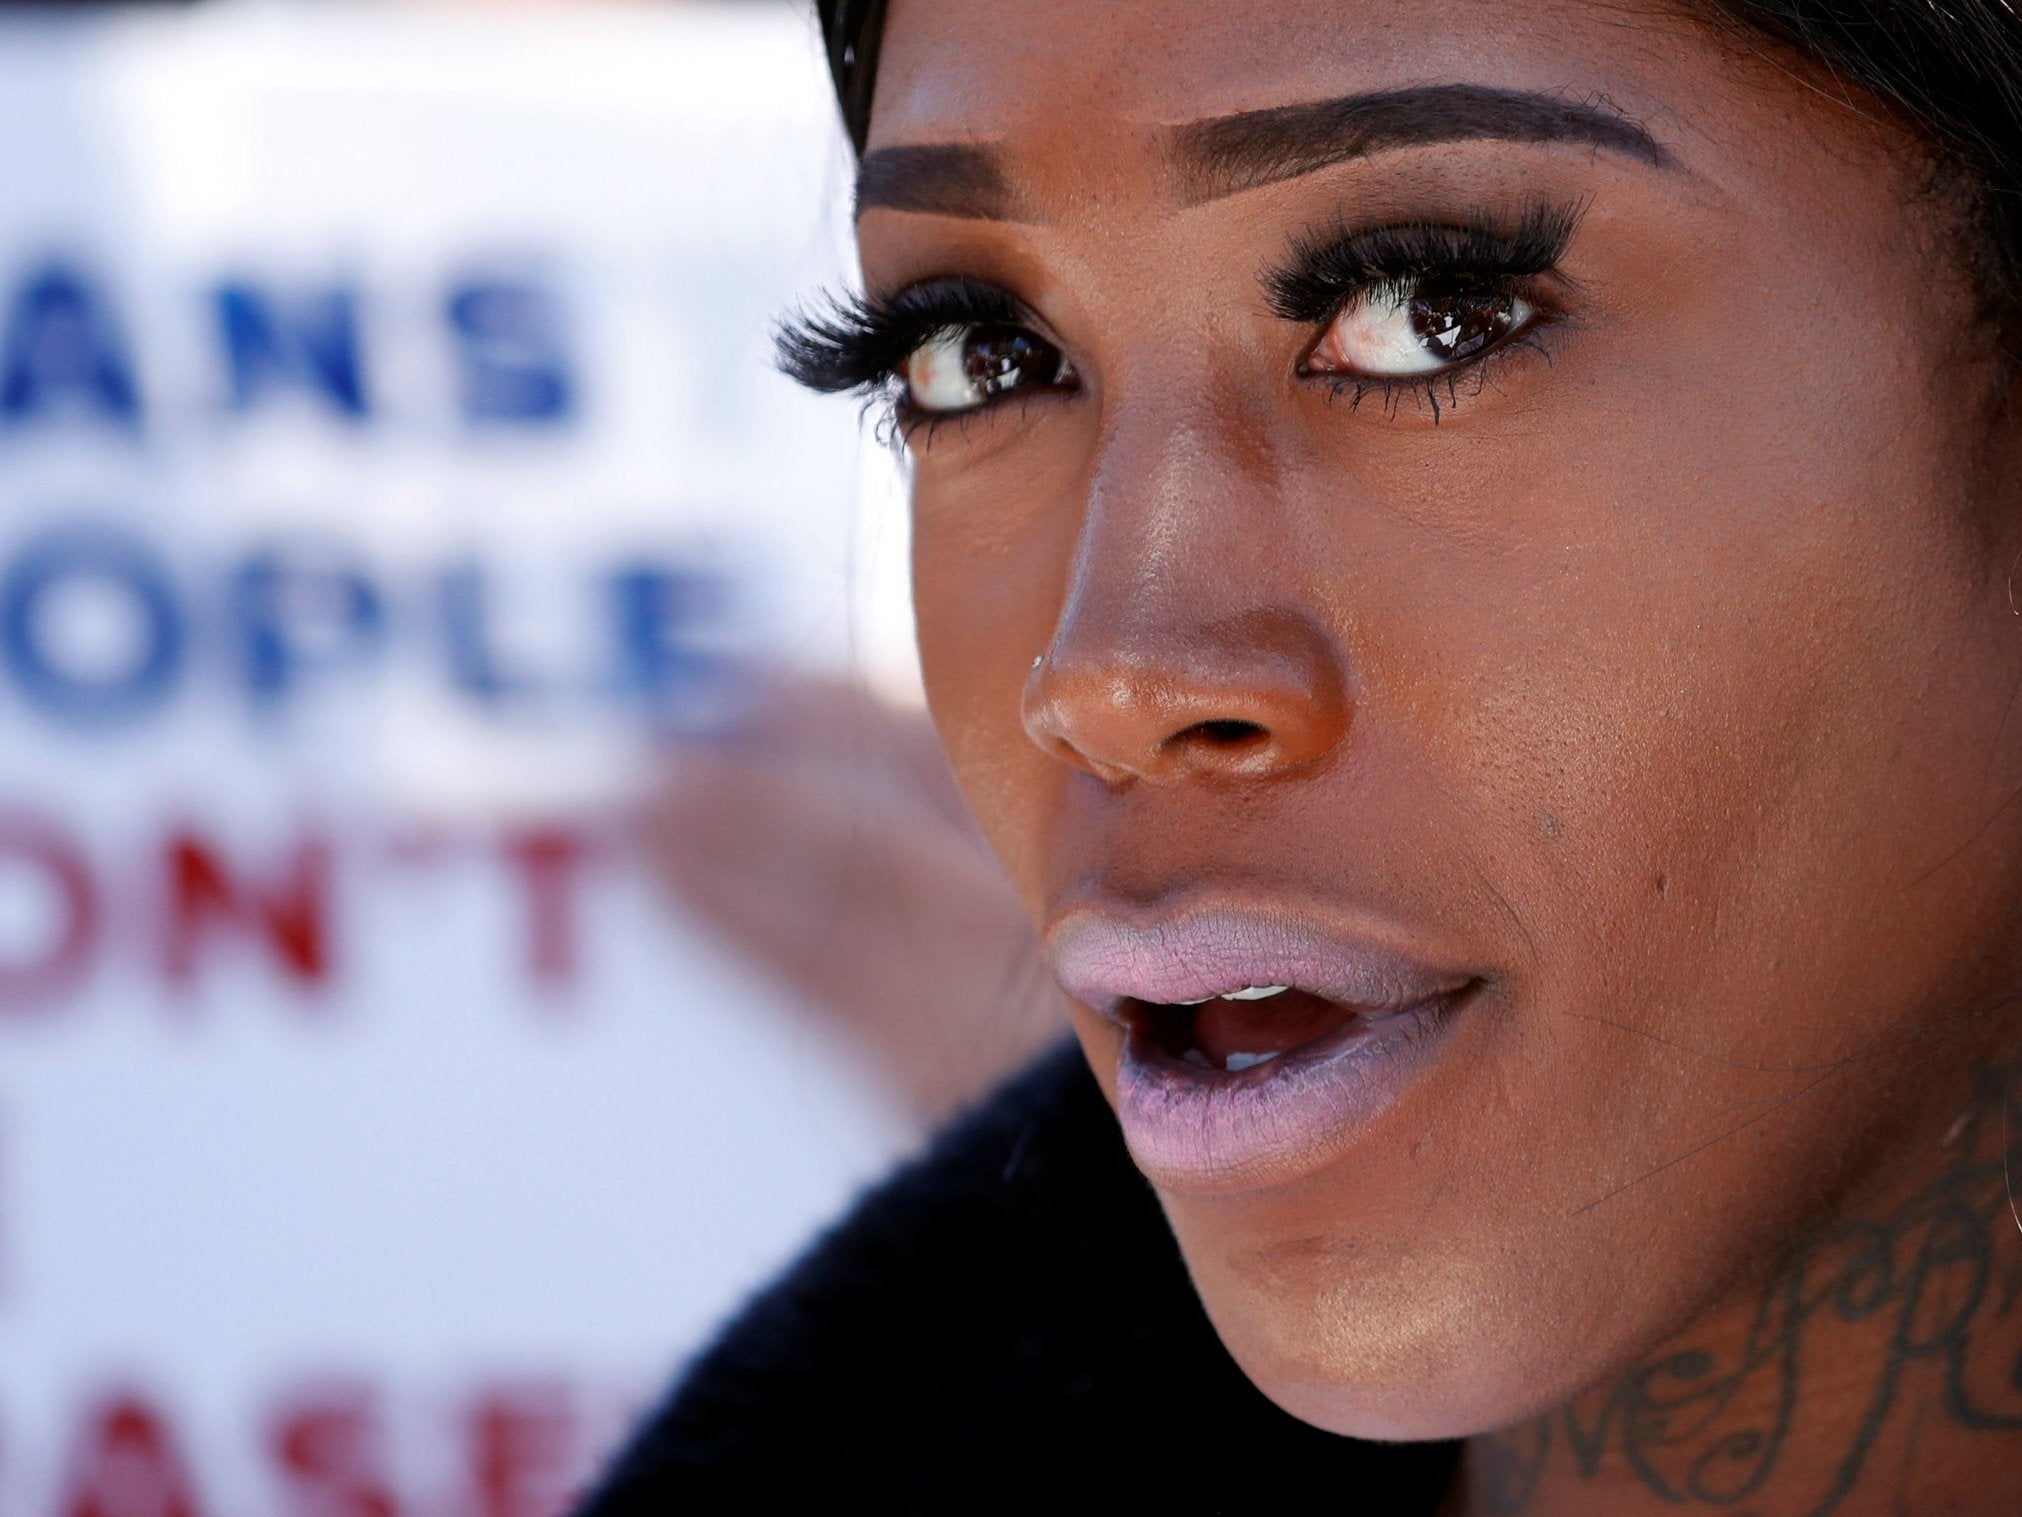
(961, 368)
(1409, 329)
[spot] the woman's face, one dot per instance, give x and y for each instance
(1515, 548)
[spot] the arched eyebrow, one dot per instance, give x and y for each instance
(1224, 155)
(1241, 152)
(939, 179)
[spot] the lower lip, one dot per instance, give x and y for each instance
(1195, 1129)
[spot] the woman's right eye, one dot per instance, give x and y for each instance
(963, 368)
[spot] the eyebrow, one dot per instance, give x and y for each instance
(1229, 154)
(939, 179)
(1225, 155)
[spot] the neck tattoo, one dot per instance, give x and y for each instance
(1924, 1292)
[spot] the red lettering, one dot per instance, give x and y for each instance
(290, 912)
(549, 863)
(57, 968)
(522, 1451)
(127, 1465)
(329, 1444)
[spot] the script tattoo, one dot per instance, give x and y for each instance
(1920, 1282)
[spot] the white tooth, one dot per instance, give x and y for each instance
(1195, 1056)
(1198, 1001)
(1256, 993)
(1242, 1061)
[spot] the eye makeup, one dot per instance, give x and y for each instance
(863, 345)
(860, 345)
(1322, 270)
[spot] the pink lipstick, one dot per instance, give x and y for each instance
(1258, 1046)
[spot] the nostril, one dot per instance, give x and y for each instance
(1222, 733)
(1245, 696)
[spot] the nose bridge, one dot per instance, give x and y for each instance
(1157, 497)
(1187, 643)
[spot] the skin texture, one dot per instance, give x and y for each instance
(1666, 681)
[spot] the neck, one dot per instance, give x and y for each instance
(1878, 1369)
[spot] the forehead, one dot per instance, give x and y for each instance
(1076, 102)
(1010, 69)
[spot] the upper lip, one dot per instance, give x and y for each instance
(1103, 959)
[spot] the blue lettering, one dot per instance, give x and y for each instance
(295, 617)
(474, 663)
(664, 619)
(512, 357)
(63, 350)
(95, 698)
(310, 345)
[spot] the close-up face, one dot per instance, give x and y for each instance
(1463, 559)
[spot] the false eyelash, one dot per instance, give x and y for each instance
(1324, 269)
(861, 344)
(1424, 390)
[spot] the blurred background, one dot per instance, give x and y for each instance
(476, 891)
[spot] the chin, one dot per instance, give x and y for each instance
(1414, 1413)
(1391, 1362)
(1393, 1404)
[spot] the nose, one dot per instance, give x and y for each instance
(1185, 647)
(1249, 695)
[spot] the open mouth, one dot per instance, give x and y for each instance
(1258, 1045)
(1245, 1029)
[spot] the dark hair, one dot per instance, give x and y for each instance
(1951, 68)
(850, 32)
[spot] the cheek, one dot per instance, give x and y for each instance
(1728, 733)
(989, 574)
(1734, 731)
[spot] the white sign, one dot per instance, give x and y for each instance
(388, 461)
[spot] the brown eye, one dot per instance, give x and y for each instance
(962, 368)
(1404, 329)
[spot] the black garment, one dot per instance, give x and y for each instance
(1007, 1319)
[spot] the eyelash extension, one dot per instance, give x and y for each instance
(1324, 269)
(859, 344)
(856, 343)
(1425, 390)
